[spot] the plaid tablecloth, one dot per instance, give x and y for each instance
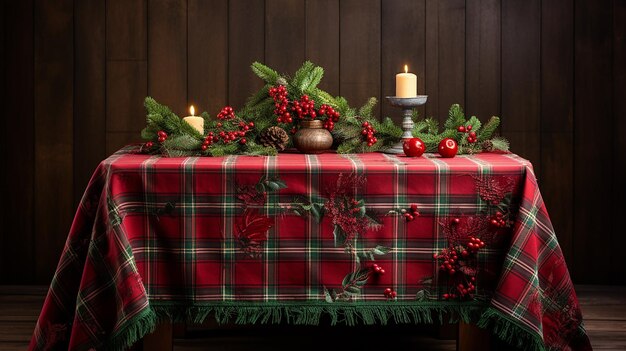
(238, 238)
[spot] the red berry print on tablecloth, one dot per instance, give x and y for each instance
(468, 236)
(409, 214)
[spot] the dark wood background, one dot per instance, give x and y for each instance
(75, 72)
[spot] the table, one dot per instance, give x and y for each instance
(296, 237)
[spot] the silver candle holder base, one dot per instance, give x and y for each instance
(407, 105)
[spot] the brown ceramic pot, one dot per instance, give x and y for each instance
(312, 137)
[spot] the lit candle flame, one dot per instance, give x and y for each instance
(192, 110)
(406, 69)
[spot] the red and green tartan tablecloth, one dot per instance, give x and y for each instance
(295, 237)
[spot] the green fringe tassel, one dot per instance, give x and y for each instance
(132, 331)
(351, 314)
(510, 331)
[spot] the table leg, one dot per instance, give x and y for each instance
(160, 339)
(472, 338)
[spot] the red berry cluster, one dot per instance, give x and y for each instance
(411, 213)
(228, 136)
(475, 244)
(368, 133)
(149, 145)
(498, 220)
(463, 289)
(162, 136)
(226, 113)
(356, 206)
(331, 114)
(281, 104)
(390, 294)
(208, 140)
(466, 289)
(378, 269)
(471, 136)
(305, 107)
(302, 109)
(450, 260)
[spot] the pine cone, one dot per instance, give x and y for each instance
(487, 145)
(275, 137)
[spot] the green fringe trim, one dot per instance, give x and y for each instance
(311, 313)
(132, 331)
(510, 331)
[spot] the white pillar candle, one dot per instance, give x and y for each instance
(195, 121)
(406, 84)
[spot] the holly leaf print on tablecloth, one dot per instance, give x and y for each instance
(351, 285)
(251, 232)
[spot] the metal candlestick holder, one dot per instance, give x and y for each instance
(407, 105)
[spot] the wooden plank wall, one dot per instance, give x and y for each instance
(74, 75)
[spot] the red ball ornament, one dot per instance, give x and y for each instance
(448, 147)
(414, 147)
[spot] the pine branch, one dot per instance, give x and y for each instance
(312, 80)
(154, 119)
(183, 142)
(259, 96)
(366, 110)
(474, 122)
(218, 150)
(264, 72)
(179, 153)
(415, 114)
(149, 133)
(154, 108)
(388, 129)
(300, 77)
(500, 144)
(208, 122)
(489, 128)
(431, 140)
(254, 149)
(427, 125)
(455, 117)
(324, 98)
(162, 118)
(187, 129)
(344, 108)
(349, 146)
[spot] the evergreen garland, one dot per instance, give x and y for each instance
(167, 134)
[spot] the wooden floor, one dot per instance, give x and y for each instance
(604, 309)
